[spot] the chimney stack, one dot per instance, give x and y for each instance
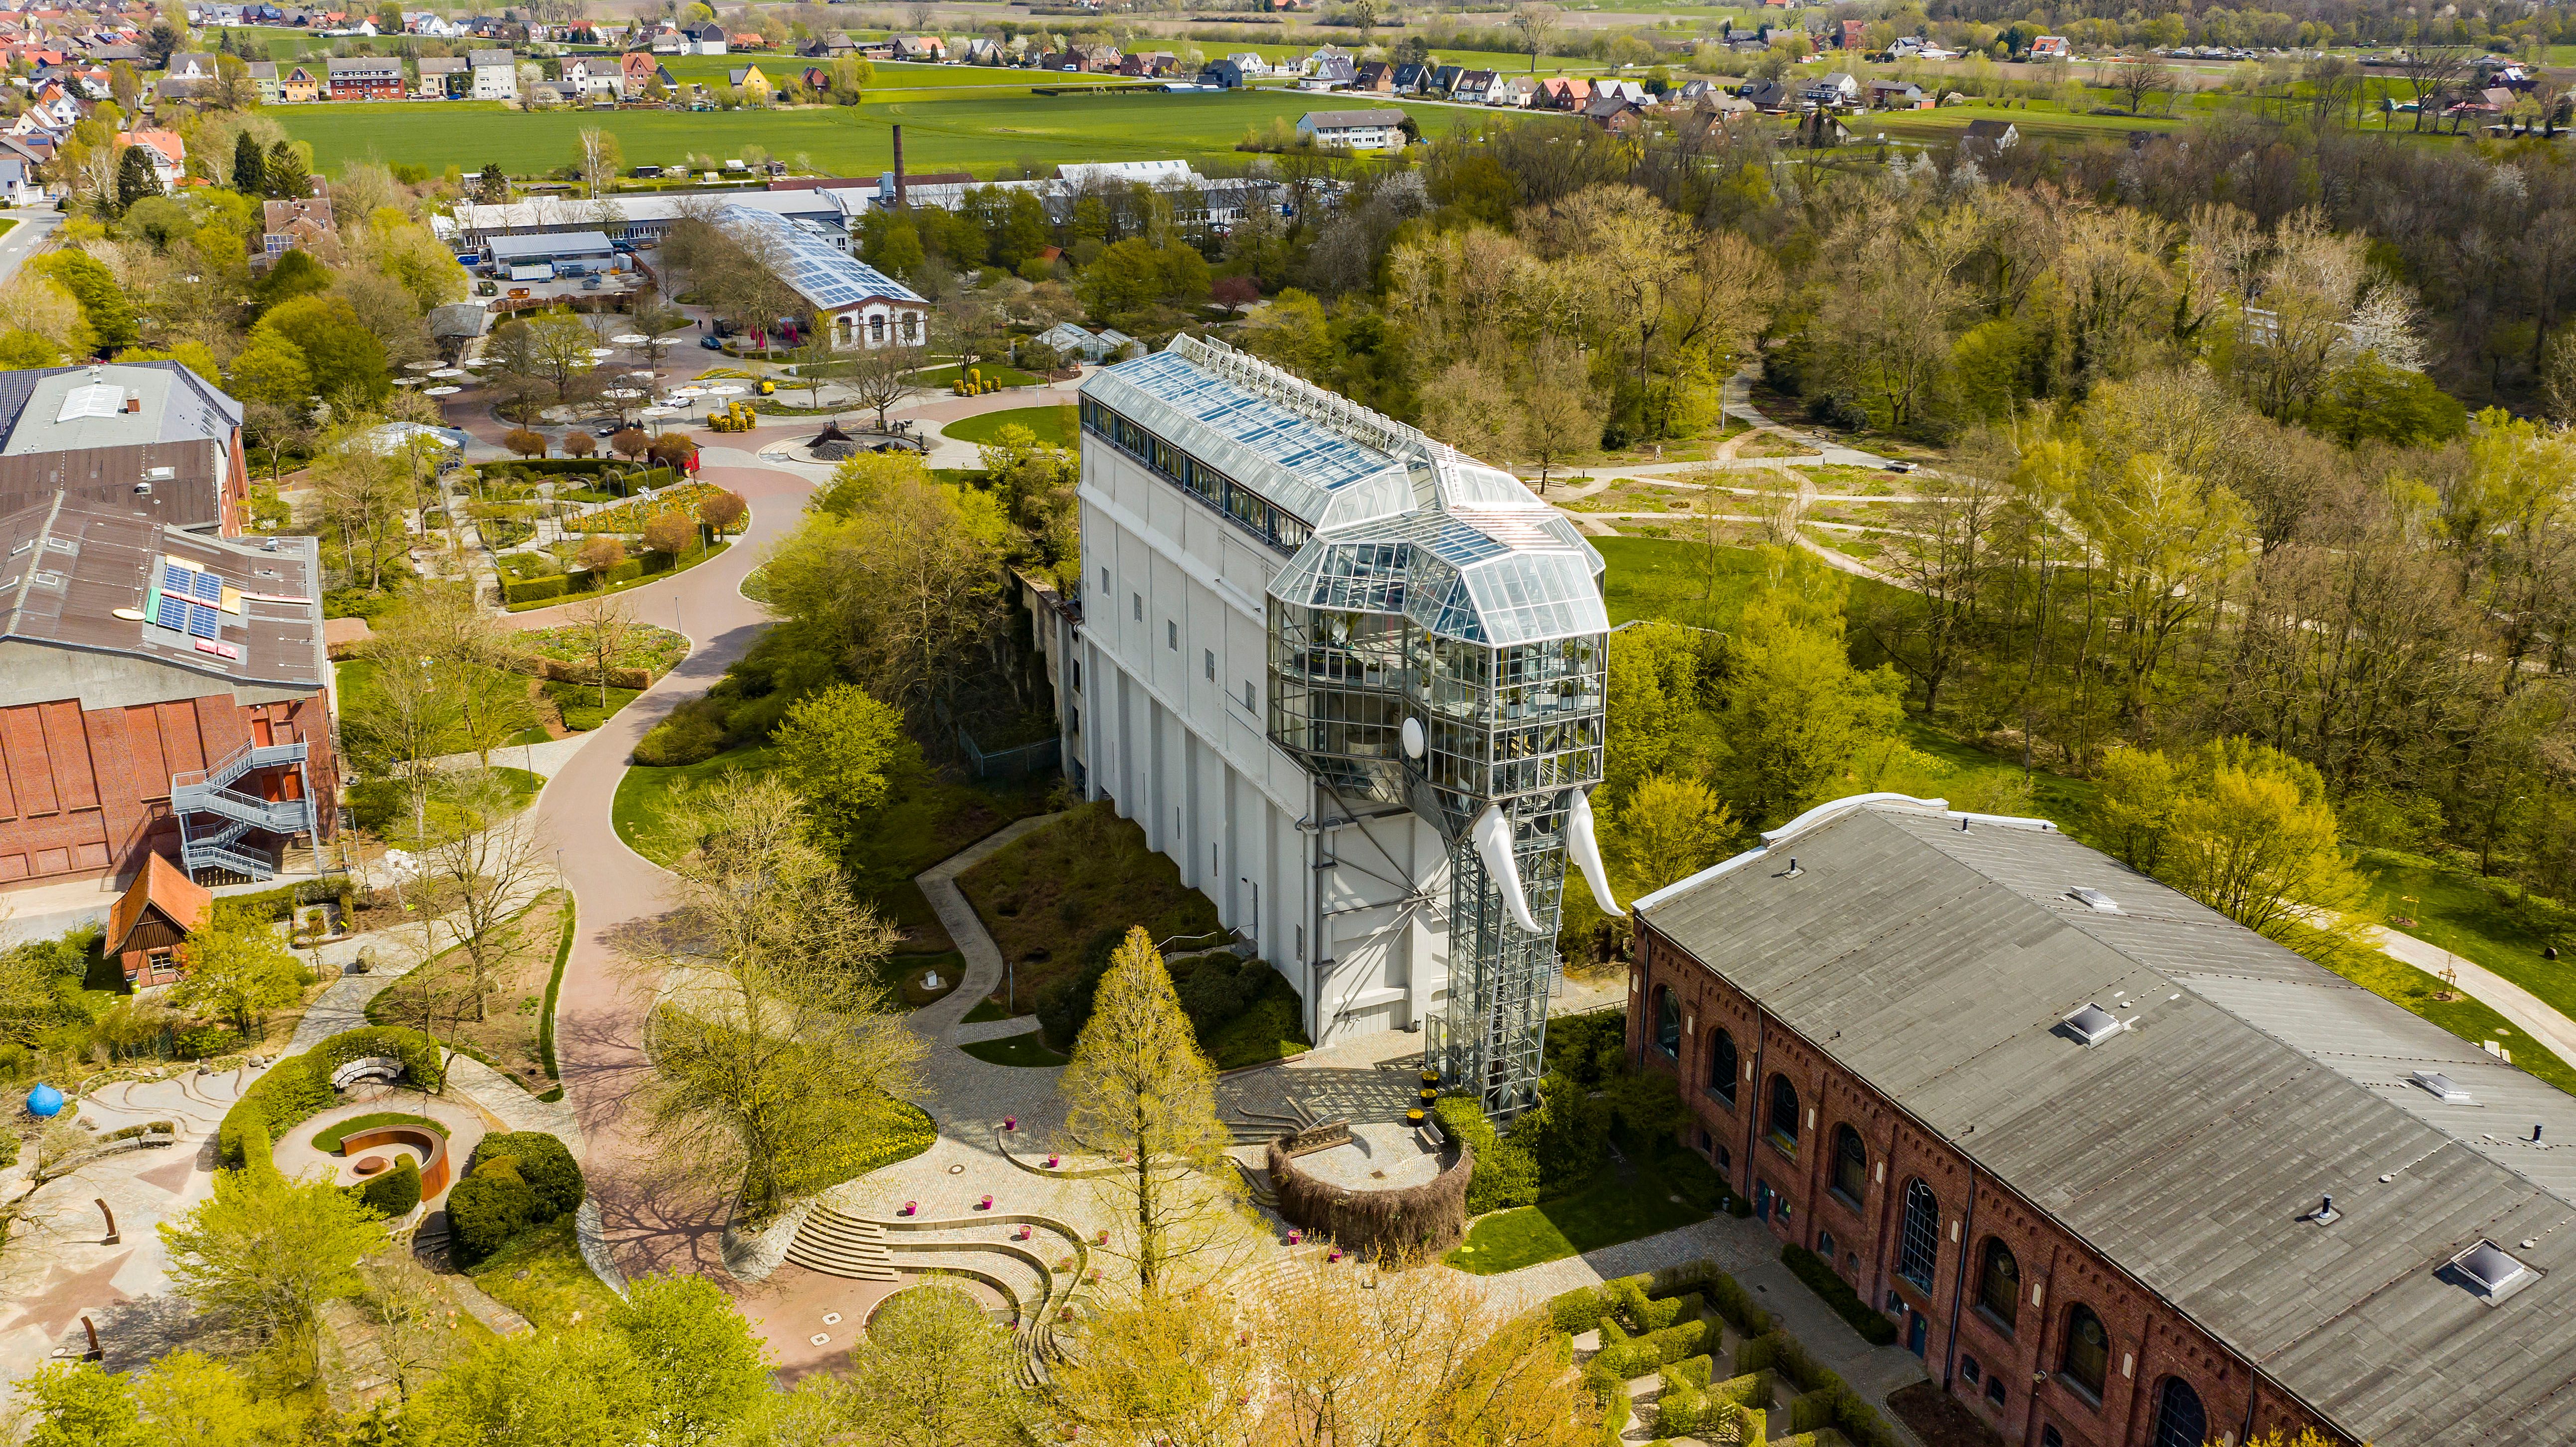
(899, 201)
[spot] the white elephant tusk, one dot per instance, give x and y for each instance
(1586, 849)
(1494, 846)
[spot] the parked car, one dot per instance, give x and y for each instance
(1902, 466)
(711, 343)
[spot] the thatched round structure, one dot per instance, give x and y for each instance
(1415, 1220)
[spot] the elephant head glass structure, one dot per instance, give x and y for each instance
(1448, 653)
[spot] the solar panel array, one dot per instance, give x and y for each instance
(807, 260)
(191, 602)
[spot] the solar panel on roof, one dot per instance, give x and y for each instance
(207, 588)
(173, 612)
(201, 621)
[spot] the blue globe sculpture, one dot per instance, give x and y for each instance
(44, 1102)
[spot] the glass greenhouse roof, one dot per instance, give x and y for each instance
(826, 276)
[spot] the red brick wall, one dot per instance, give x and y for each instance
(2150, 1341)
(88, 793)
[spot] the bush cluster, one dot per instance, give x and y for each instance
(1504, 1176)
(1217, 988)
(299, 1086)
(395, 1192)
(513, 1181)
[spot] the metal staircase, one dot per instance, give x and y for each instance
(199, 793)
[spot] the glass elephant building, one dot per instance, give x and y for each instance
(1431, 649)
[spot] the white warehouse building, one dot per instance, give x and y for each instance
(1351, 682)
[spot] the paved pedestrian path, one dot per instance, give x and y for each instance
(2537, 1017)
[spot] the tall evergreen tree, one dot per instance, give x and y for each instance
(135, 178)
(250, 172)
(285, 174)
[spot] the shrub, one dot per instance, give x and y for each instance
(722, 512)
(1648, 1352)
(1678, 1414)
(670, 532)
(486, 1209)
(395, 1192)
(525, 442)
(298, 1086)
(1812, 1410)
(1751, 1389)
(1760, 1354)
(540, 1160)
(1567, 1137)
(599, 554)
(1065, 1006)
(535, 590)
(580, 444)
(1573, 1312)
(1732, 1302)
(1819, 1276)
(1692, 1371)
(1504, 1176)
(693, 733)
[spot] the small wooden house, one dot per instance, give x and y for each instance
(152, 919)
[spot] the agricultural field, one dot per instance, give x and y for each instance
(975, 131)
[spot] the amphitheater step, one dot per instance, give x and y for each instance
(838, 1245)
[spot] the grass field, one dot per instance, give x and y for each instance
(1024, 1050)
(1057, 426)
(978, 131)
(1608, 1211)
(329, 1140)
(2472, 918)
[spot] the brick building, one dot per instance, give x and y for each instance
(149, 438)
(2121, 1171)
(161, 691)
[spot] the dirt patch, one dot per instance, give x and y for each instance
(1051, 892)
(501, 1027)
(1939, 1419)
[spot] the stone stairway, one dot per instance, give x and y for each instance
(839, 1245)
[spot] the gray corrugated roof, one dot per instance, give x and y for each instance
(1936, 963)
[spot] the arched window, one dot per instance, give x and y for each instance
(1723, 1065)
(2180, 1422)
(1851, 1166)
(1668, 1021)
(1784, 1114)
(1999, 1285)
(1918, 1236)
(2088, 1353)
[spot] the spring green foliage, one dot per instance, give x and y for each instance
(702, 1367)
(394, 1192)
(1504, 1175)
(836, 744)
(1795, 711)
(263, 1253)
(2243, 828)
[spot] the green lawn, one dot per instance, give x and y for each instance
(973, 130)
(383, 806)
(542, 1277)
(2474, 919)
(1058, 426)
(1270, 1028)
(1608, 1211)
(329, 1140)
(645, 797)
(1008, 376)
(1027, 1050)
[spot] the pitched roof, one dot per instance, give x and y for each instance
(1939, 963)
(159, 885)
(1351, 120)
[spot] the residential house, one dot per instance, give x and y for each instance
(1471, 87)
(828, 47)
(753, 85)
(1710, 115)
(550, 93)
(188, 77)
(1832, 90)
(1150, 63)
(927, 48)
(1331, 72)
(1369, 130)
(148, 930)
(1066, 60)
(1989, 138)
(1412, 78)
(637, 70)
(747, 40)
(1896, 95)
(816, 79)
(301, 224)
(1250, 63)
(2049, 47)
(1633, 92)
(301, 83)
(1226, 73)
(1374, 77)
(704, 38)
(263, 76)
(1852, 36)
(169, 153)
(496, 74)
(366, 77)
(1771, 96)
(1611, 113)
(20, 183)
(443, 77)
(981, 50)
(1562, 93)
(603, 82)
(1518, 92)
(667, 41)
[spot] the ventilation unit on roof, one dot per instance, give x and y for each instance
(2490, 1271)
(2444, 1088)
(2093, 899)
(2093, 1024)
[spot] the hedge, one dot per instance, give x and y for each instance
(1692, 1371)
(395, 1192)
(1655, 1348)
(554, 988)
(1819, 1276)
(1504, 1176)
(514, 1180)
(535, 590)
(299, 1087)
(271, 905)
(1580, 1310)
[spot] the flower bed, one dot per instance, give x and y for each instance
(630, 517)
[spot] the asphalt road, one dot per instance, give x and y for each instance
(25, 239)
